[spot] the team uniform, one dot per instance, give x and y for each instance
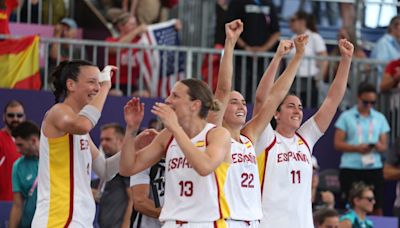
(286, 171)
(192, 200)
(242, 187)
(64, 195)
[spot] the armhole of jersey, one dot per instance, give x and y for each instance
(166, 148)
(305, 142)
(247, 138)
(264, 166)
(207, 134)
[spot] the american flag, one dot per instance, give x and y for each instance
(161, 69)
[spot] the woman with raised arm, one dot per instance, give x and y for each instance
(67, 154)
(242, 188)
(284, 155)
(196, 152)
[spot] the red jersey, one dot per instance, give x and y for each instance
(5, 15)
(123, 67)
(8, 155)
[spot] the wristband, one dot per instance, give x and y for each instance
(91, 113)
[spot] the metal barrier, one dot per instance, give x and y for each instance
(389, 105)
(202, 63)
(199, 62)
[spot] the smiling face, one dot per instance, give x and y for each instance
(236, 110)
(290, 113)
(87, 85)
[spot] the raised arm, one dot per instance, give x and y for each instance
(336, 92)
(224, 84)
(218, 145)
(278, 92)
(133, 158)
(65, 120)
(268, 77)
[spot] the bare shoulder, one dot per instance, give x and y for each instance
(218, 133)
(54, 118)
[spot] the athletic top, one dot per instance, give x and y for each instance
(64, 195)
(242, 189)
(286, 171)
(189, 196)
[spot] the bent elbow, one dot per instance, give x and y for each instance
(204, 171)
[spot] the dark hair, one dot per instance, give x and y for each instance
(393, 23)
(357, 191)
(308, 18)
(365, 87)
(199, 90)
(322, 214)
(290, 93)
(66, 70)
(25, 130)
(12, 103)
(119, 130)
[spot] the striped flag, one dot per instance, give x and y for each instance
(161, 69)
(19, 63)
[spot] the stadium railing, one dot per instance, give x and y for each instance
(202, 63)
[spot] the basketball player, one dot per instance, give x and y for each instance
(197, 155)
(67, 153)
(284, 155)
(242, 188)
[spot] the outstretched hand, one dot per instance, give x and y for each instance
(233, 30)
(133, 113)
(284, 47)
(346, 48)
(145, 138)
(300, 41)
(166, 115)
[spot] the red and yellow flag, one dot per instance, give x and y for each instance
(19, 63)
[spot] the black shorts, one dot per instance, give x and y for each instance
(372, 177)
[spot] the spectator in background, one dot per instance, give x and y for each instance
(349, 34)
(56, 8)
(310, 71)
(24, 175)
(129, 32)
(387, 48)
(391, 171)
(6, 8)
(116, 202)
(13, 115)
(260, 35)
(362, 135)
(326, 218)
(391, 76)
(361, 200)
(149, 11)
(320, 199)
(66, 29)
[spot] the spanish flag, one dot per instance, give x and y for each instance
(19, 63)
